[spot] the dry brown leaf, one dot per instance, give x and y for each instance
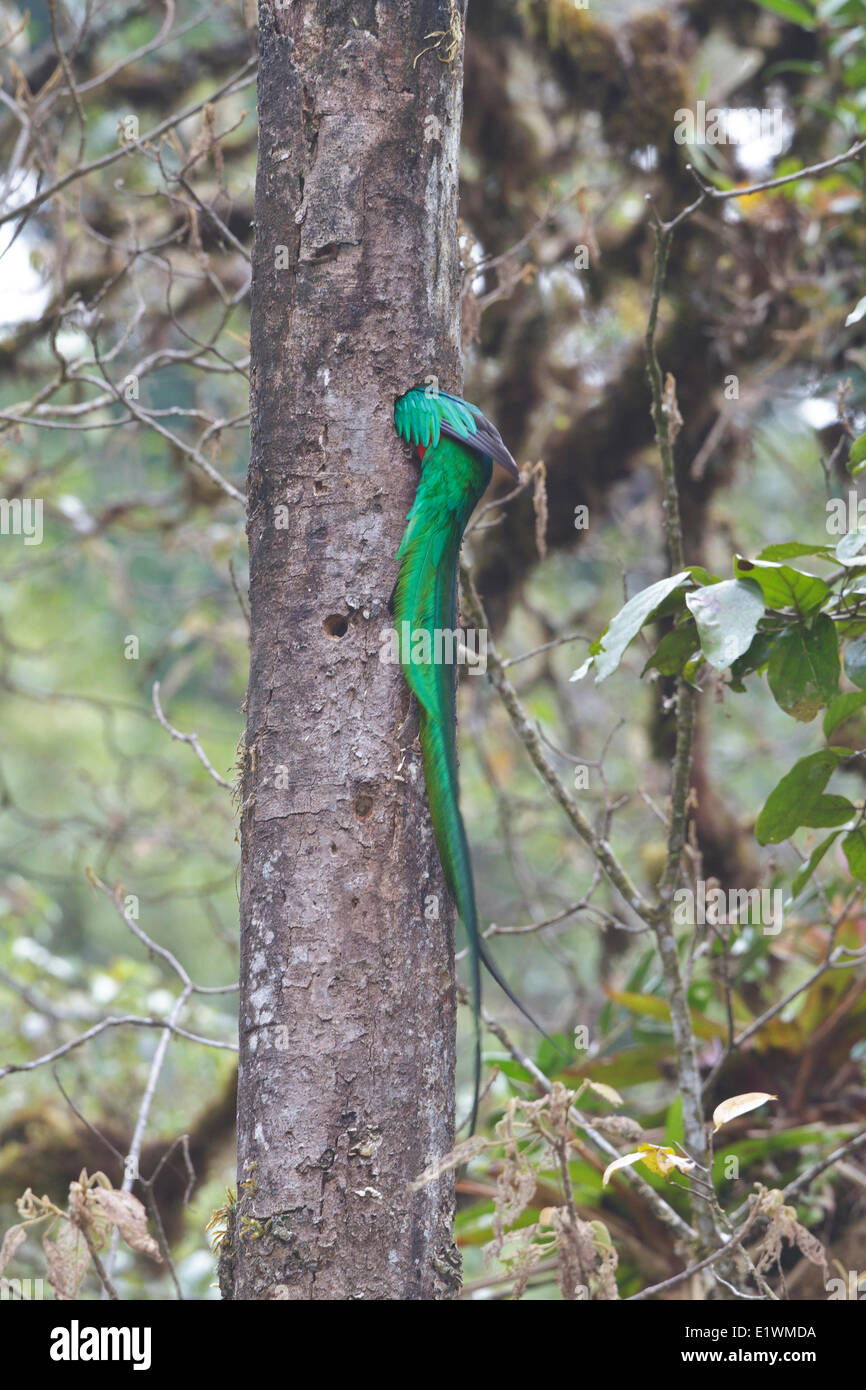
(127, 1213)
(67, 1261)
(784, 1229)
(12, 1242)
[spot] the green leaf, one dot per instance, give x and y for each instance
(857, 455)
(790, 550)
(674, 1130)
(825, 9)
(794, 1141)
(727, 615)
(650, 1006)
(803, 673)
(854, 849)
(796, 799)
(830, 810)
(792, 10)
(855, 661)
(814, 860)
(628, 622)
(674, 650)
(842, 708)
(757, 656)
(634, 1066)
(849, 548)
(783, 586)
(859, 310)
(674, 602)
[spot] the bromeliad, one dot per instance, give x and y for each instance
(457, 447)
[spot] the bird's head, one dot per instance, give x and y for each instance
(423, 414)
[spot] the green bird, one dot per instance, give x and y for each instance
(457, 447)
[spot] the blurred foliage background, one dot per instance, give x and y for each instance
(123, 398)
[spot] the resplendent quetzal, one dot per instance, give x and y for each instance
(457, 446)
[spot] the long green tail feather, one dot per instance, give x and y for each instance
(453, 479)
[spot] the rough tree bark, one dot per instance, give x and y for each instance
(347, 1018)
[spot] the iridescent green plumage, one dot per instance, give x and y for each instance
(419, 415)
(458, 446)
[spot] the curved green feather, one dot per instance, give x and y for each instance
(418, 416)
(453, 479)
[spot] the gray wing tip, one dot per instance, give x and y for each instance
(487, 441)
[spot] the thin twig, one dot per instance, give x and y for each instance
(191, 739)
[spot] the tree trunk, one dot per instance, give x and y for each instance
(347, 1013)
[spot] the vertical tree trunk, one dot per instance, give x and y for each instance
(347, 1015)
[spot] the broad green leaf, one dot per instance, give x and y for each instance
(796, 799)
(857, 454)
(628, 622)
(830, 810)
(803, 673)
(757, 656)
(825, 9)
(791, 550)
(674, 602)
(633, 1066)
(674, 650)
(848, 551)
(794, 1141)
(854, 849)
(812, 863)
(842, 708)
(793, 10)
(727, 615)
(855, 661)
(783, 586)
(690, 671)
(650, 1006)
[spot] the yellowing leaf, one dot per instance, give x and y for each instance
(625, 1161)
(729, 1109)
(664, 1161)
(606, 1092)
